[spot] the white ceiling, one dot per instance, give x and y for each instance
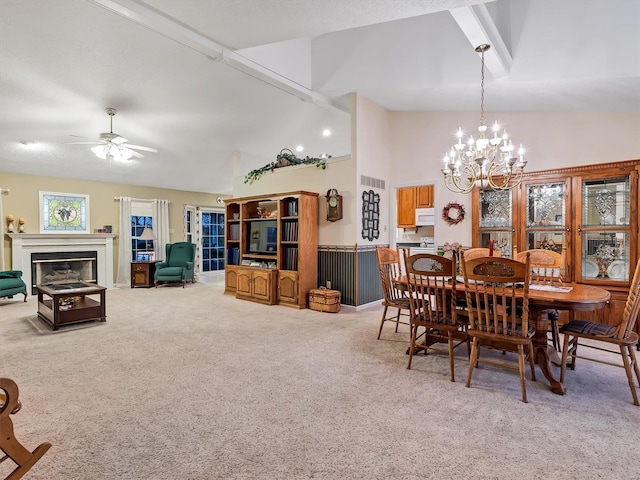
(179, 75)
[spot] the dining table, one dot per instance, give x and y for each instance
(574, 297)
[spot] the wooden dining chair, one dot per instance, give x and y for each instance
(9, 445)
(547, 268)
(395, 294)
(433, 306)
(472, 253)
(497, 292)
(622, 335)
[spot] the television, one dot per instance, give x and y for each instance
(263, 237)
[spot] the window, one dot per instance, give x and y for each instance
(140, 249)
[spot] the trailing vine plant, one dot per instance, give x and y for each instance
(284, 159)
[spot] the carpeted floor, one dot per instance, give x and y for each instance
(192, 384)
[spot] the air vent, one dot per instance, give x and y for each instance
(372, 182)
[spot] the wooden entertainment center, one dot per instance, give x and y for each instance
(271, 246)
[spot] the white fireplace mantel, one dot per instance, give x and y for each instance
(24, 244)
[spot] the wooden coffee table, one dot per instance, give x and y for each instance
(69, 303)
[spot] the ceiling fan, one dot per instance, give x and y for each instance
(112, 146)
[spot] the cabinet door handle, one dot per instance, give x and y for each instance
(579, 229)
(568, 229)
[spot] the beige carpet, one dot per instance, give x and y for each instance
(192, 384)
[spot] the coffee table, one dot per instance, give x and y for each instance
(68, 303)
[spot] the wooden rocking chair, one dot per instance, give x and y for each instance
(9, 445)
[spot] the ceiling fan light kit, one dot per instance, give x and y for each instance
(112, 146)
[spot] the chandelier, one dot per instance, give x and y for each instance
(483, 162)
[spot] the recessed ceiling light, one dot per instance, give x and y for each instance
(29, 144)
(299, 148)
(326, 132)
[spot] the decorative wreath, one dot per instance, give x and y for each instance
(451, 220)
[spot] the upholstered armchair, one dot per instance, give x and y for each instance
(11, 283)
(178, 264)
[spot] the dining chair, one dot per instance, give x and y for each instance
(395, 294)
(622, 335)
(469, 254)
(472, 253)
(9, 444)
(497, 292)
(432, 307)
(547, 268)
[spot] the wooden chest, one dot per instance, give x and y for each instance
(324, 300)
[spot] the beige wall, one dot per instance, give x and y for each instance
(23, 202)
(419, 141)
(339, 174)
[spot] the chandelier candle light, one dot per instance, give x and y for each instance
(483, 162)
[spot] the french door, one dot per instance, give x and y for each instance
(204, 226)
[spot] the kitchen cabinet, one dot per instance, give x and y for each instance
(410, 198)
(424, 196)
(406, 207)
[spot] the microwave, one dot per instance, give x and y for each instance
(425, 217)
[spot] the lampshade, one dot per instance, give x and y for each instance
(147, 234)
(112, 152)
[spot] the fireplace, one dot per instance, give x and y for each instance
(59, 267)
(68, 250)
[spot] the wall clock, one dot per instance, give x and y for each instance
(334, 205)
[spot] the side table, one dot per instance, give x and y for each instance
(142, 274)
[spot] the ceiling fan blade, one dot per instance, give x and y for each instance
(132, 152)
(79, 136)
(118, 140)
(144, 149)
(83, 143)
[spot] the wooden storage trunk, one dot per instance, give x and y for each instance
(324, 300)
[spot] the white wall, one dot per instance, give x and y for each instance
(419, 141)
(372, 151)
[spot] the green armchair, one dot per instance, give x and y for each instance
(178, 264)
(11, 284)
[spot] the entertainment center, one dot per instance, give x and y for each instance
(272, 247)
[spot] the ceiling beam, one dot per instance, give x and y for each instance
(169, 27)
(478, 26)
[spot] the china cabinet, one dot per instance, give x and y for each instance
(590, 210)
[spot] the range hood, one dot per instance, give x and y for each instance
(425, 217)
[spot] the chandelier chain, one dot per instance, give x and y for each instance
(482, 92)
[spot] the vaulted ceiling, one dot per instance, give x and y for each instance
(207, 82)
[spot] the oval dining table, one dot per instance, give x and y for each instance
(581, 298)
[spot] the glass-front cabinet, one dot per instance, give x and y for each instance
(545, 216)
(496, 220)
(591, 211)
(604, 229)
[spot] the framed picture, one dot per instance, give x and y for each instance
(64, 212)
